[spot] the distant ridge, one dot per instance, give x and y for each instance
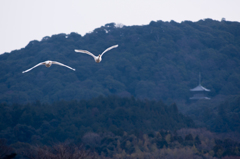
(155, 61)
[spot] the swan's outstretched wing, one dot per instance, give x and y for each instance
(58, 63)
(86, 52)
(42, 63)
(114, 46)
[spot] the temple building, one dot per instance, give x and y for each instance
(199, 92)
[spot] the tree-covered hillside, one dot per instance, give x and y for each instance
(217, 116)
(156, 61)
(107, 127)
(51, 123)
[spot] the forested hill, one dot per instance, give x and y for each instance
(156, 61)
(64, 120)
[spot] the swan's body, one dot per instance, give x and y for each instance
(48, 64)
(99, 57)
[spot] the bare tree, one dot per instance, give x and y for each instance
(59, 151)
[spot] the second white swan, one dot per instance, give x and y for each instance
(99, 57)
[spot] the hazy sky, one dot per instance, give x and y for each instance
(22, 21)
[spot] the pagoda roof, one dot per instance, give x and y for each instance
(200, 88)
(200, 98)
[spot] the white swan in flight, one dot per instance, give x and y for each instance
(48, 64)
(99, 57)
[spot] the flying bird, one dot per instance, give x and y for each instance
(99, 57)
(48, 64)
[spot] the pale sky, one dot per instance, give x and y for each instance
(22, 21)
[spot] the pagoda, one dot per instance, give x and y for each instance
(199, 92)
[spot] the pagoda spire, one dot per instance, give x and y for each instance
(199, 78)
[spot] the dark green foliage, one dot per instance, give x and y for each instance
(217, 116)
(156, 61)
(188, 140)
(226, 148)
(189, 137)
(197, 140)
(46, 123)
(228, 116)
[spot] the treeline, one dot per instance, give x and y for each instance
(157, 61)
(218, 115)
(49, 123)
(108, 127)
(162, 144)
(157, 144)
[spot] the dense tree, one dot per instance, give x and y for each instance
(217, 116)
(45, 123)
